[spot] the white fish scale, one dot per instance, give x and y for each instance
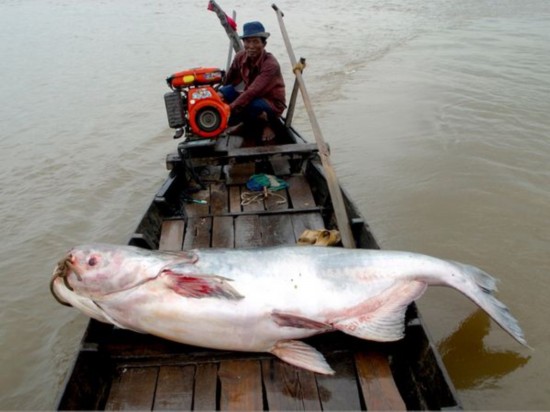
(293, 283)
(223, 324)
(254, 299)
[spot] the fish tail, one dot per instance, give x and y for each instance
(480, 287)
(483, 280)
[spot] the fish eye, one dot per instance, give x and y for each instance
(92, 261)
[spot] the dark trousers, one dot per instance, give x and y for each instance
(249, 115)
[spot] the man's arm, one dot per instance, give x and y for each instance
(261, 84)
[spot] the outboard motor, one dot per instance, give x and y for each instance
(194, 106)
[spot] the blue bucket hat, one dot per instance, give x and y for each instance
(254, 29)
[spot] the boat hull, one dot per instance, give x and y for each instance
(200, 205)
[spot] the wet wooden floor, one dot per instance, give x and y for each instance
(361, 382)
(216, 380)
(224, 222)
(121, 369)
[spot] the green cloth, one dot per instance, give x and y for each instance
(258, 182)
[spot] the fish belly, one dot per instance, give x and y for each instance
(244, 325)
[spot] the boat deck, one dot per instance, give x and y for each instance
(225, 217)
(223, 221)
(200, 379)
(121, 369)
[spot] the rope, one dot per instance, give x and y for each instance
(299, 66)
(248, 198)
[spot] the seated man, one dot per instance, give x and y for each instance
(263, 97)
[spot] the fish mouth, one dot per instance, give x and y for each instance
(63, 269)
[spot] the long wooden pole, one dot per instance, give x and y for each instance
(332, 181)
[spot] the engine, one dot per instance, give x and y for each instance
(194, 106)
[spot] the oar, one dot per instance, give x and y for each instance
(332, 181)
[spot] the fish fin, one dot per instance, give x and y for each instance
(200, 286)
(296, 321)
(386, 323)
(481, 289)
(302, 355)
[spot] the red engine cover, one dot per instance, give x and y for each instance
(208, 114)
(197, 76)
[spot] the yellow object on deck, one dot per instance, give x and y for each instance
(320, 237)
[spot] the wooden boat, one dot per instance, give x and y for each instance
(200, 205)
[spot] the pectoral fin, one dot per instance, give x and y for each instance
(302, 355)
(200, 286)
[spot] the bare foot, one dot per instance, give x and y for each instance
(268, 134)
(263, 116)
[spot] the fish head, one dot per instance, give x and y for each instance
(96, 271)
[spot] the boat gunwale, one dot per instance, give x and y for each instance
(313, 171)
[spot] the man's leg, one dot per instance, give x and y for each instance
(229, 94)
(260, 113)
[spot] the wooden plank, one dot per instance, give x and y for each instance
(310, 390)
(211, 173)
(223, 232)
(238, 174)
(282, 386)
(206, 378)
(197, 233)
(171, 235)
(289, 388)
(221, 143)
(280, 166)
(277, 200)
(235, 199)
(303, 221)
(247, 231)
(234, 142)
(269, 150)
(133, 388)
(300, 192)
(219, 202)
(339, 392)
(377, 384)
(276, 230)
(175, 388)
(193, 209)
(252, 201)
(241, 385)
(256, 206)
(161, 193)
